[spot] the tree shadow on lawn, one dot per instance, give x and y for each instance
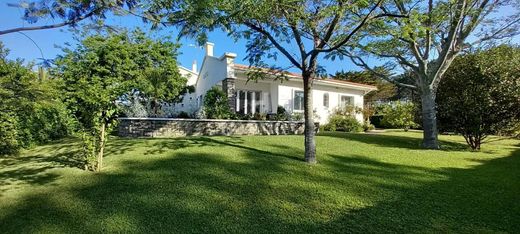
(258, 192)
(34, 167)
(394, 141)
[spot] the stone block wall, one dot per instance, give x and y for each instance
(166, 127)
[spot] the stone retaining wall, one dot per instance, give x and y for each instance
(167, 127)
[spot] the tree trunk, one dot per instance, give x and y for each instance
(310, 144)
(102, 140)
(429, 119)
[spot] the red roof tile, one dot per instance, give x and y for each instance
(246, 67)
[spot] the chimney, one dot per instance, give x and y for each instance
(209, 48)
(194, 66)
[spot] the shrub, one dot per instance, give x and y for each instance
(44, 122)
(398, 115)
(480, 94)
(183, 115)
(260, 116)
(296, 117)
(281, 114)
(8, 133)
(216, 104)
(367, 126)
(343, 123)
(134, 108)
(376, 120)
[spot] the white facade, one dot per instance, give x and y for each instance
(267, 94)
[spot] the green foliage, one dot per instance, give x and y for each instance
(348, 110)
(367, 126)
(103, 68)
(46, 121)
(281, 114)
(70, 13)
(161, 81)
(184, 115)
(343, 123)
(32, 112)
(296, 116)
(9, 143)
(216, 105)
(480, 94)
(398, 115)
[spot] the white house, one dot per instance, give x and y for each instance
(267, 94)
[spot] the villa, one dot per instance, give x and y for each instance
(265, 95)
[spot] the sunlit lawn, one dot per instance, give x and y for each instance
(259, 184)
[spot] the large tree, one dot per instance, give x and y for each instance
(300, 30)
(429, 39)
(101, 70)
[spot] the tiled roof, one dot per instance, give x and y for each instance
(297, 75)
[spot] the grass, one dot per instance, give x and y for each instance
(259, 184)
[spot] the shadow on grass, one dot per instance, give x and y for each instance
(260, 192)
(34, 167)
(394, 141)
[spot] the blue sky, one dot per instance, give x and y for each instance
(22, 47)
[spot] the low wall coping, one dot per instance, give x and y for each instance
(209, 120)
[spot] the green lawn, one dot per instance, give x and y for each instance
(259, 184)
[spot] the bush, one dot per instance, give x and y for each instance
(8, 134)
(183, 115)
(216, 105)
(282, 114)
(480, 95)
(398, 115)
(296, 117)
(134, 108)
(343, 123)
(376, 120)
(367, 126)
(45, 122)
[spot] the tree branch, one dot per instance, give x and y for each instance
(69, 22)
(354, 31)
(361, 63)
(275, 43)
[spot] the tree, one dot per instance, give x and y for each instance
(101, 70)
(70, 12)
(30, 109)
(314, 28)
(162, 81)
(385, 90)
(428, 40)
(480, 94)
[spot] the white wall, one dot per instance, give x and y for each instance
(188, 103)
(286, 92)
(192, 76)
(213, 71)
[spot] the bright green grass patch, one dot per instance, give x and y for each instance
(259, 184)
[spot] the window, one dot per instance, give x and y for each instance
(258, 102)
(326, 100)
(346, 101)
(298, 101)
(248, 102)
